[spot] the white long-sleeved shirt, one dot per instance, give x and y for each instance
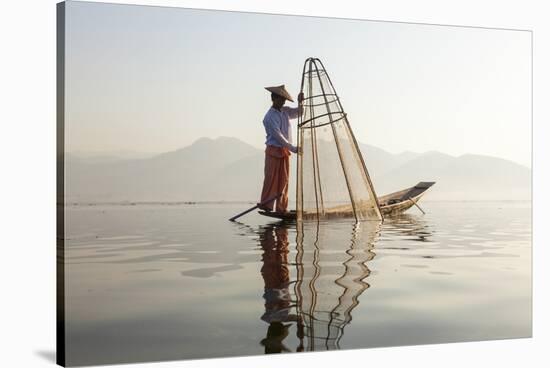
(277, 127)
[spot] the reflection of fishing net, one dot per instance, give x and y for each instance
(331, 273)
(332, 178)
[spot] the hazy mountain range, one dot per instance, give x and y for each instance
(227, 169)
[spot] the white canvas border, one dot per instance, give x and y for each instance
(28, 184)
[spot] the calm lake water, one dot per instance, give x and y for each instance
(163, 282)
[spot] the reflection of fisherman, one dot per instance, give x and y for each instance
(273, 342)
(278, 147)
(276, 275)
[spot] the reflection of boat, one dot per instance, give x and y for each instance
(413, 227)
(390, 204)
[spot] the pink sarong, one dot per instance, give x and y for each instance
(276, 174)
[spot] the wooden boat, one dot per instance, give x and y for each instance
(390, 204)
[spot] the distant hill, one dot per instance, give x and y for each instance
(227, 169)
(468, 177)
(380, 162)
(193, 173)
(91, 157)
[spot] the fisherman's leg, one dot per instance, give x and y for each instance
(284, 171)
(269, 189)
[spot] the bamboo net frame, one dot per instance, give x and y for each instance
(332, 178)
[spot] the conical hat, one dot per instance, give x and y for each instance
(281, 91)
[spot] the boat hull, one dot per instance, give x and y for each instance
(390, 204)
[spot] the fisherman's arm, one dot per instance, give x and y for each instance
(274, 131)
(294, 112)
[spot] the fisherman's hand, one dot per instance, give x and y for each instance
(293, 149)
(300, 97)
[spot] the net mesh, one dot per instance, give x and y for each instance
(333, 180)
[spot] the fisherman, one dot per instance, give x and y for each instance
(278, 147)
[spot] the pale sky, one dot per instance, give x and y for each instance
(155, 79)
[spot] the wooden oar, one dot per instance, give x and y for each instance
(256, 206)
(414, 202)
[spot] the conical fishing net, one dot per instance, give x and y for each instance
(332, 179)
